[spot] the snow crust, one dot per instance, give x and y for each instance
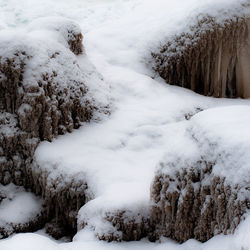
(118, 156)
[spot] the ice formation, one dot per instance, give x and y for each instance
(212, 57)
(96, 181)
(43, 93)
(14, 216)
(205, 192)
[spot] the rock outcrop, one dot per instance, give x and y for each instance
(212, 58)
(38, 102)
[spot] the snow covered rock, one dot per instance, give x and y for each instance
(42, 94)
(20, 211)
(63, 30)
(211, 57)
(45, 91)
(64, 195)
(206, 192)
(16, 150)
(111, 221)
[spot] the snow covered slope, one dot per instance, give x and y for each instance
(117, 156)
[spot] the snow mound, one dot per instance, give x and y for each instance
(19, 210)
(114, 160)
(210, 57)
(45, 91)
(110, 220)
(226, 132)
(205, 192)
(60, 29)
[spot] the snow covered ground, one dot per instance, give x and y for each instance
(118, 155)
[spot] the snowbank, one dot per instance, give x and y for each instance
(63, 30)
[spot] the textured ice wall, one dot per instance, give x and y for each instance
(211, 57)
(207, 191)
(44, 93)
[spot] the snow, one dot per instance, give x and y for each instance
(35, 47)
(240, 240)
(118, 155)
(18, 206)
(43, 47)
(220, 134)
(226, 128)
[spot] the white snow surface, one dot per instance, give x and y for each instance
(219, 136)
(240, 240)
(44, 42)
(18, 206)
(225, 131)
(118, 155)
